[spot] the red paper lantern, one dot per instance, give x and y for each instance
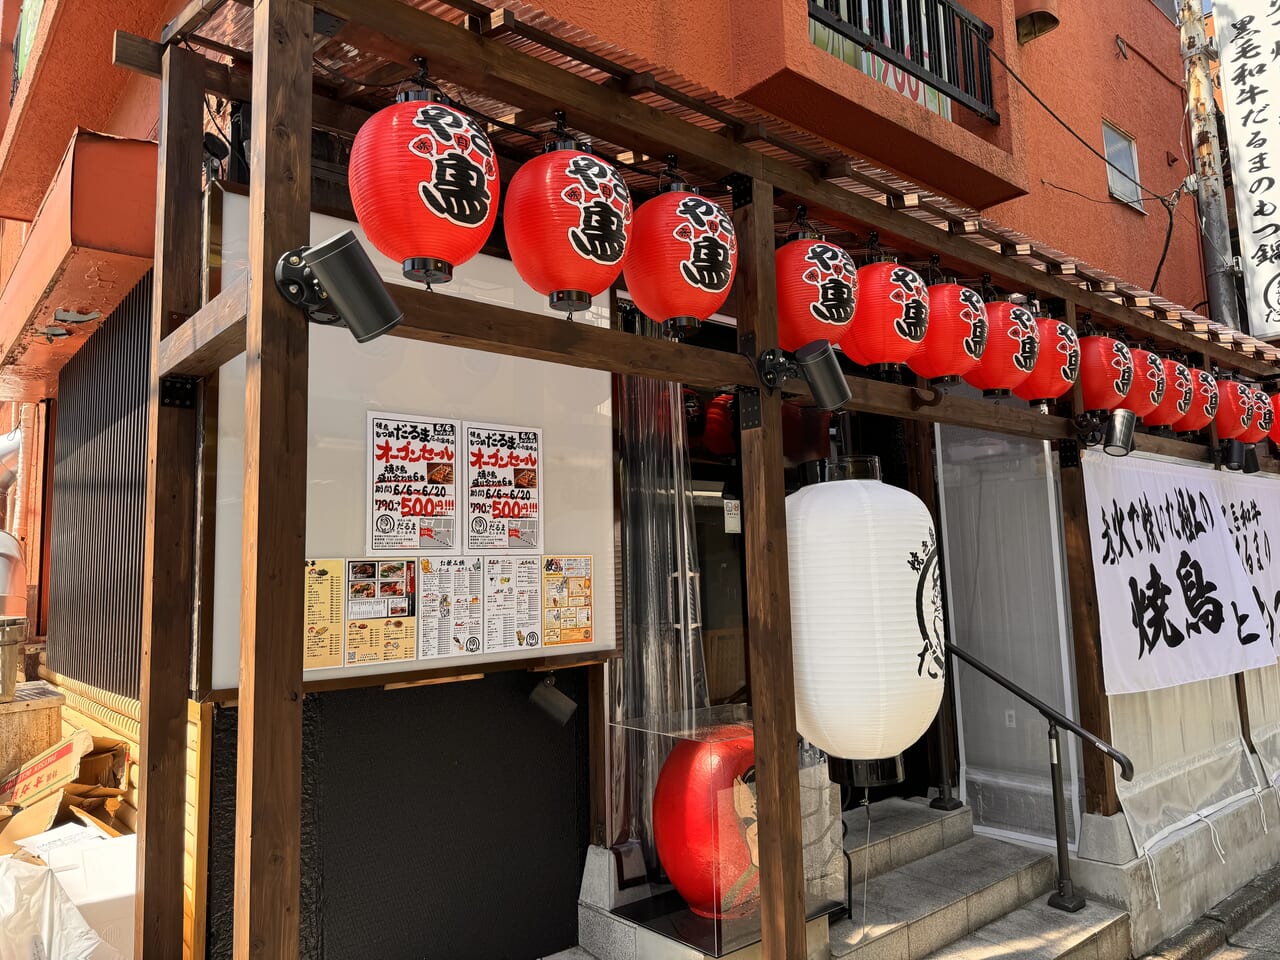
(817, 291)
(1235, 409)
(892, 316)
(568, 222)
(424, 185)
(695, 414)
(806, 433)
(1013, 343)
(1057, 363)
(1179, 389)
(956, 336)
(1204, 403)
(682, 260)
(1275, 418)
(1261, 423)
(720, 435)
(1148, 384)
(1106, 372)
(704, 823)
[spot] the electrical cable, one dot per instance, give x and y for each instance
(1169, 205)
(339, 75)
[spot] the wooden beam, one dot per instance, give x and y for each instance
(524, 81)
(189, 19)
(269, 755)
(1095, 711)
(213, 335)
(168, 585)
(143, 56)
(764, 525)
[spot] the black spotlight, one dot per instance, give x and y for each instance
(1250, 459)
(546, 697)
(336, 282)
(1234, 457)
(1118, 438)
(815, 362)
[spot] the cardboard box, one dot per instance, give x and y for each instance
(82, 771)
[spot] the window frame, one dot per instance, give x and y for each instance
(1134, 202)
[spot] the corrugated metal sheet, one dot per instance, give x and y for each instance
(99, 489)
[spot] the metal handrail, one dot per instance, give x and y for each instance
(1065, 897)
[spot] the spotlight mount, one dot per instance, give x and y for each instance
(815, 363)
(335, 282)
(1112, 429)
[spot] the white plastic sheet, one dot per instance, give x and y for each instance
(38, 920)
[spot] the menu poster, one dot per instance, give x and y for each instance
(512, 603)
(322, 614)
(450, 607)
(566, 600)
(413, 492)
(504, 506)
(379, 611)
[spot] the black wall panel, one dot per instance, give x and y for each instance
(99, 489)
(447, 822)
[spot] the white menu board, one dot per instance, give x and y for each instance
(512, 604)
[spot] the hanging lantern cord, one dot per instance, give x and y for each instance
(800, 221)
(874, 253)
(989, 294)
(935, 274)
(1086, 325)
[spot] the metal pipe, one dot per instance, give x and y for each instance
(1065, 897)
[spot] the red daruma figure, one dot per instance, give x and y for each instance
(704, 822)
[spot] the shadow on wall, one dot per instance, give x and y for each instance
(446, 822)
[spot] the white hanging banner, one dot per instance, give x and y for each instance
(1187, 566)
(1249, 45)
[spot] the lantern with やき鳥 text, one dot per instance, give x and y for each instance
(1106, 372)
(817, 288)
(1260, 425)
(866, 616)
(568, 223)
(956, 336)
(1179, 389)
(1013, 344)
(1149, 384)
(1235, 409)
(424, 185)
(720, 429)
(682, 260)
(1057, 363)
(1204, 404)
(892, 317)
(1275, 418)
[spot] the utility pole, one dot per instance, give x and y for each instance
(1211, 198)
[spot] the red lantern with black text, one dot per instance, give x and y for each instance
(892, 316)
(1275, 418)
(1106, 372)
(568, 223)
(1057, 363)
(1148, 386)
(956, 336)
(720, 435)
(1204, 403)
(1235, 409)
(817, 291)
(1261, 423)
(1013, 344)
(705, 822)
(682, 260)
(1179, 389)
(424, 185)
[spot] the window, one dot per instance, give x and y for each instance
(1122, 168)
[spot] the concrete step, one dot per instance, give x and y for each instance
(931, 902)
(573, 953)
(901, 831)
(1036, 931)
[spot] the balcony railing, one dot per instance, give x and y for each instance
(938, 42)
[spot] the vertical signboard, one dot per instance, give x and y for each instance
(1249, 45)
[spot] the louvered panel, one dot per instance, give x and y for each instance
(99, 489)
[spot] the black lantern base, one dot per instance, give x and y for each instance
(943, 381)
(866, 774)
(681, 327)
(996, 394)
(569, 301)
(428, 270)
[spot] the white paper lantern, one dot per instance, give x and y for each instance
(866, 617)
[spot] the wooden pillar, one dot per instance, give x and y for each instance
(1086, 632)
(764, 526)
(167, 598)
(269, 758)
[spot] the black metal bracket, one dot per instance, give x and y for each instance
(776, 366)
(179, 392)
(298, 285)
(739, 185)
(1068, 454)
(748, 408)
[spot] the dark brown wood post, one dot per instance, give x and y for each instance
(269, 773)
(168, 559)
(764, 526)
(1086, 632)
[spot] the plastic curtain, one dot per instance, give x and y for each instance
(664, 674)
